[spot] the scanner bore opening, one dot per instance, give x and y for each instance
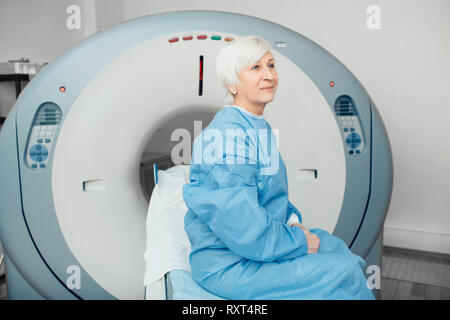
(166, 146)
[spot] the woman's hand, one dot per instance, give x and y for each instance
(312, 239)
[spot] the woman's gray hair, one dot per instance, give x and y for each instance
(235, 56)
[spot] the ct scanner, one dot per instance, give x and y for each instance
(75, 147)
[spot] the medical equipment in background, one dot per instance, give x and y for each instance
(17, 71)
(72, 206)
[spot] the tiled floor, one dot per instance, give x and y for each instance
(393, 289)
(406, 275)
(3, 293)
(414, 275)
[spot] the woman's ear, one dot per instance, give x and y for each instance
(232, 89)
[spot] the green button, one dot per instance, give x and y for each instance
(216, 37)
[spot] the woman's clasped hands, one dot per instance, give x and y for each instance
(312, 239)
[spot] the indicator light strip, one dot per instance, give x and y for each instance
(200, 81)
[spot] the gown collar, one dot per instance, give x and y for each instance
(252, 115)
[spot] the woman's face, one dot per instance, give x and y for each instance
(258, 82)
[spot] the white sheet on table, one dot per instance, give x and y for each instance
(168, 246)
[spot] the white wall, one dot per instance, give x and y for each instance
(36, 29)
(404, 66)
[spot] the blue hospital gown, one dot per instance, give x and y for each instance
(238, 206)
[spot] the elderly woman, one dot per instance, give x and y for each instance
(247, 242)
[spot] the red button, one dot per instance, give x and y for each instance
(202, 37)
(188, 38)
(173, 40)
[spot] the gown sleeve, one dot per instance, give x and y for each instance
(294, 210)
(226, 200)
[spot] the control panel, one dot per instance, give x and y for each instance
(42, 134)
(349, 124)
